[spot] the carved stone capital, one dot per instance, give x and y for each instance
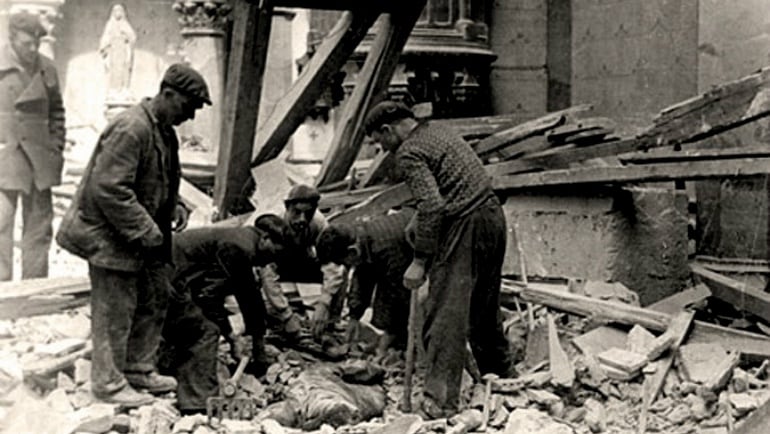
(203, 17)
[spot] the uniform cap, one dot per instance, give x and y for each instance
(26, 22)
(302, 193)
(188, 81)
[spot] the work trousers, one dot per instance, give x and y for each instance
(37, 232)
(188, 352)
(127, 314)
(464, 303)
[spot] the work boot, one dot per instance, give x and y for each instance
(151, 382)
(126, 397)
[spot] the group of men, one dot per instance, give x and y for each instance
(158, 290)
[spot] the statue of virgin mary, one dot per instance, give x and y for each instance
(117, 49)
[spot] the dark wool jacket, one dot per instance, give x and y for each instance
(31, 124)
(128, 193)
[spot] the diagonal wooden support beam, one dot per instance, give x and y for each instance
(248, 55)
(327, 61)
(381, 62)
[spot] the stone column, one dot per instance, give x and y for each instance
(203, 29)
(49, 12)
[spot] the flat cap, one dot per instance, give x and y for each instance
(386, 112)
(188, 81)
(26, 22)
(302, 193)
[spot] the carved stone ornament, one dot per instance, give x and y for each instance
(198, 16)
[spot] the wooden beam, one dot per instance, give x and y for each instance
(749, 344)
(377, 204)
(734, 265)
(738, 294)
(382, 165)
(643, 173)
(248, 56)
(42, 296)
(392, 33)
(667, 155)
(346, 198)
(530, 128)
(331, 55)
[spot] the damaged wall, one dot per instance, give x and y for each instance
(734, 40)
(636, 236)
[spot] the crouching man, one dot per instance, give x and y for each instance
(379, 253)
(210, 264)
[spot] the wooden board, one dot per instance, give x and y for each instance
(377, 204)
(738, 294)
(391, 35)
(328, 59)
(527, 129)
(248, 56)
(42, 296)
(643, 173)
(668, 155)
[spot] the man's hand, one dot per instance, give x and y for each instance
(320, 319)
(353, 332)
(181, 217)
(414, 276)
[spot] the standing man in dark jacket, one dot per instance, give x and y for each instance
(121, 221)
(31, 145)
(459, 244)
(379, 253)
(210, 264)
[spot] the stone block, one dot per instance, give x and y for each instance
(82, 371)
(639, 340)
(624, 360)
(527, 421)
(59, 401)
(96, 418)
(698, 362)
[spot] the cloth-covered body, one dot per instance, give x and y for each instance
(31, 145)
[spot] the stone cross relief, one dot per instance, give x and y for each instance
(117, 50)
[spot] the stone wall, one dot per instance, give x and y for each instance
(632, 58)
(733, 41)
(519, 79)
(636, 236)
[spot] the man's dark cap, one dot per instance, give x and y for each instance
(188, 81)
(385, 113)
(26, 22)
(302, 193)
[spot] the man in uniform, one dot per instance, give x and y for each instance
(31, 144)
(121, 221)
(459, 244)
(210, 264)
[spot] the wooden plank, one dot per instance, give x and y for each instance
(681, 300)
(392, 33)
(738, 294)
(193, 197)
(733, 265)
(562, 371)
(42, 296)
(644, 173)
(668, 155)
(329, 58)
(562, 133)
(347, 198)
(377, 204)
(564, 156)
(679, 327)
(529, 145)
(50, 366)
(530, 128)
(248, 56)
(724, 107)
(383, 164)
(476, 128)
(749, 344)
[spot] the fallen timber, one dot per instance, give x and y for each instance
(750, 345)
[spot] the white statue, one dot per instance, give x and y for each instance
(117, 50)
